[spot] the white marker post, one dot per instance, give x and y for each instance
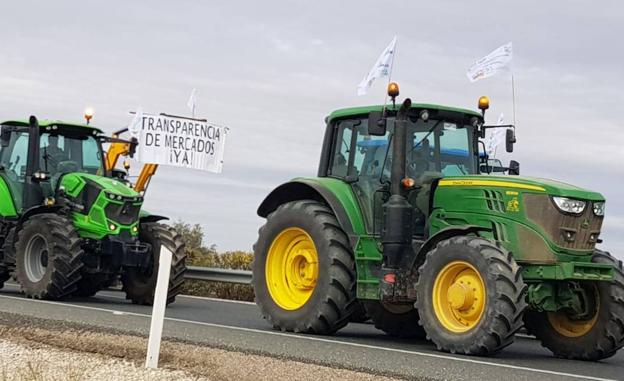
(158, 311)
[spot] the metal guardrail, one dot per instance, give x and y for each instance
(212, 274)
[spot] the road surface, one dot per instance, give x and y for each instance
(239, 326)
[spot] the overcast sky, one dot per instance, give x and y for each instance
(272, 71)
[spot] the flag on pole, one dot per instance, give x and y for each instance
(192, 102)
(382, 67)
(495, 138)
(136, 123)
(491, 64)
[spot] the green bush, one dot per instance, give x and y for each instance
(199, 255)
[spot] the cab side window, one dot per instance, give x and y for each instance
(343, 149)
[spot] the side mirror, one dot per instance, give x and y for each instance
(510, 139)
(5, 137)
(376, 123)
(514, 168)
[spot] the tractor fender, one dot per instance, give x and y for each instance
(301, 189)
(446, 233)
(151, 218)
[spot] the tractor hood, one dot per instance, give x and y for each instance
(551, 187)
(74, 182)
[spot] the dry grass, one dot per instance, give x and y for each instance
(197, 362)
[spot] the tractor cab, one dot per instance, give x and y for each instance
(33, 158)
(439, 142)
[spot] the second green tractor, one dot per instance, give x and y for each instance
(407, 219)
(70, 224)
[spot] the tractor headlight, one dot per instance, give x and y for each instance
(112, 227)
(599, 208)
(570, 205)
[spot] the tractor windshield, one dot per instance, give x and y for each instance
(435, 149)
(62, 153)
(433, 146)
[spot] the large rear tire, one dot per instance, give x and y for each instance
(470, 296)
(303, 269)
(596, 337)
(48, 257)
(140, 284)
(395, 320)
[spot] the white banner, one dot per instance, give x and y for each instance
(181, 142)
(491, 64)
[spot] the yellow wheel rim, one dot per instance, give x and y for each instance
(459, 297)
(565, 326)
(291, 268)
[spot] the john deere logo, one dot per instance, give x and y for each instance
(513, 205)
(585, 224)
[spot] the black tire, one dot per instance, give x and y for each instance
(504, 293)
(358, 313)
(604, 338)
(395, 320)
(54, 240)
(332, 299)
(5, 275)
(90, 284)
(140, 284)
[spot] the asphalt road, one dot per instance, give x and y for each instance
(239, 326)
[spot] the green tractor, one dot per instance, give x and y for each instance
(70, 226)
(403, 220)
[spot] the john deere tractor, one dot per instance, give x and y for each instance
(406, 218)
(67, 226)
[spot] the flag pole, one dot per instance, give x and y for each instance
(390, 71)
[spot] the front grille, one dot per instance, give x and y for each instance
(565, 230)
(123, 214)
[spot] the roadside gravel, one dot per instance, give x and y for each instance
(41, 350)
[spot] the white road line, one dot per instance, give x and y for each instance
(108, 295)
(318, 339)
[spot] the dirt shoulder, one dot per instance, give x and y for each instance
(40, 349)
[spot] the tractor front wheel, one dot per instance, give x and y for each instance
(48, 257)
(399, 320)
(596, 336)
(470, 296)
(303, 269)
(139, 284)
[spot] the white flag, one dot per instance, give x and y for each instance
(381, 69)
(495, 138)
(490, 64)
(191, 102)
(136, 123)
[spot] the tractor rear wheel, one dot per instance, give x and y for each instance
(139, 284)
(399, 320)
(595, 337)
(48, 257)
(470, 296)
(303, 269)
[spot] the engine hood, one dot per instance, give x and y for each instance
(73, 183)
(538, 185)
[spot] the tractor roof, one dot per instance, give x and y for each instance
(49, 123)
(364, 110)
